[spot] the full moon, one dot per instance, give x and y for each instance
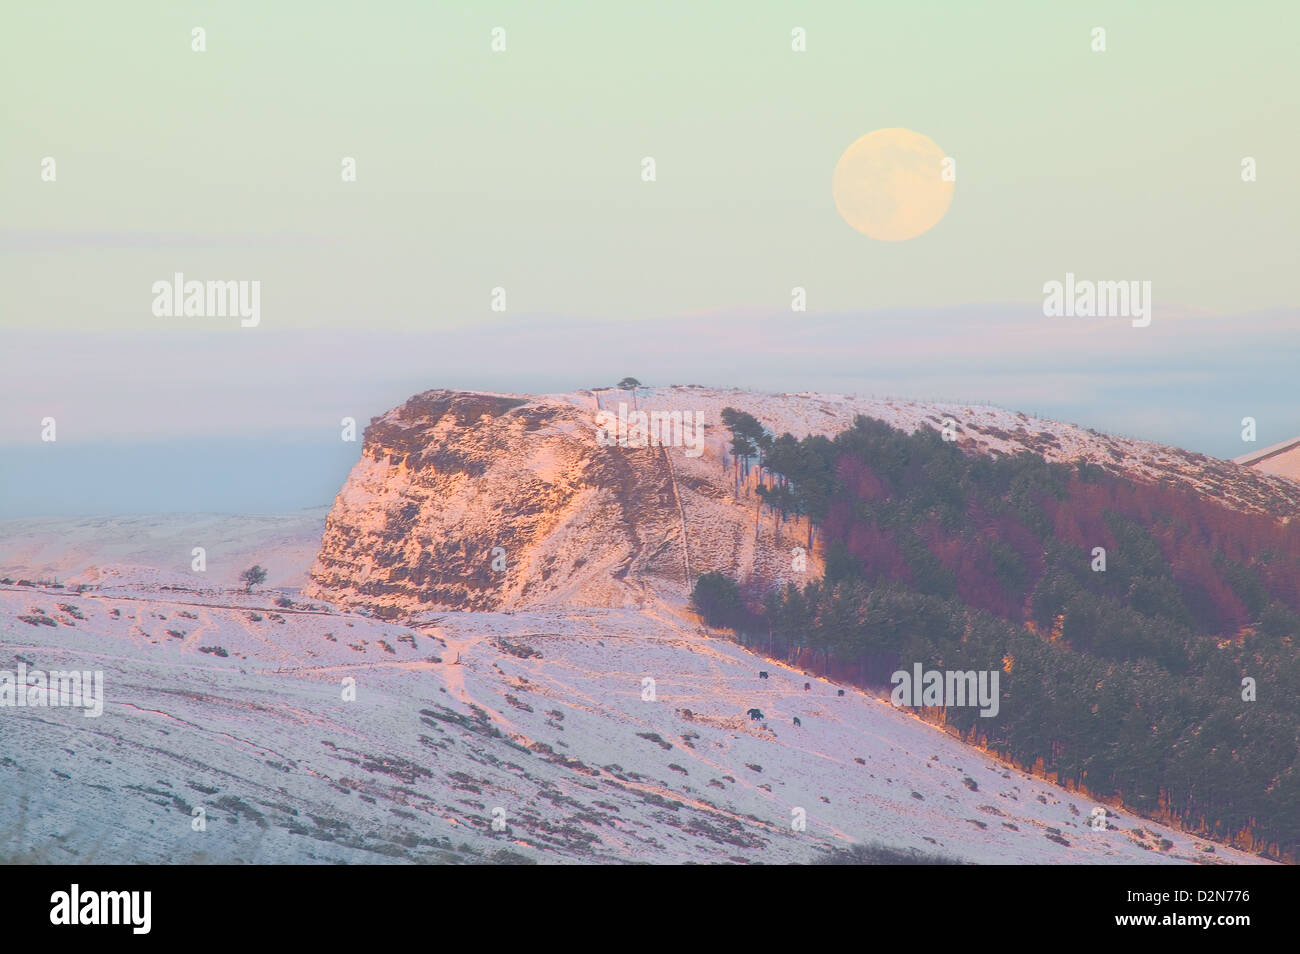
(890, 185)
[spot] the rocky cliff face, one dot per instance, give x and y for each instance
(475, 501)
(486, 501)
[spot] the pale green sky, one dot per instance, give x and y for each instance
(522, 169)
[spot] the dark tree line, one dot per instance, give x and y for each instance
(1126, 681)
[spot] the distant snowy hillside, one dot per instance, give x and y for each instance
(160, 547)
(1280, 460)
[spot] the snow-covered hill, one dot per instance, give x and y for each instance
(528, 704)
(485, 501)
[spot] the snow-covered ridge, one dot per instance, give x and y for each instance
(476, 500)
